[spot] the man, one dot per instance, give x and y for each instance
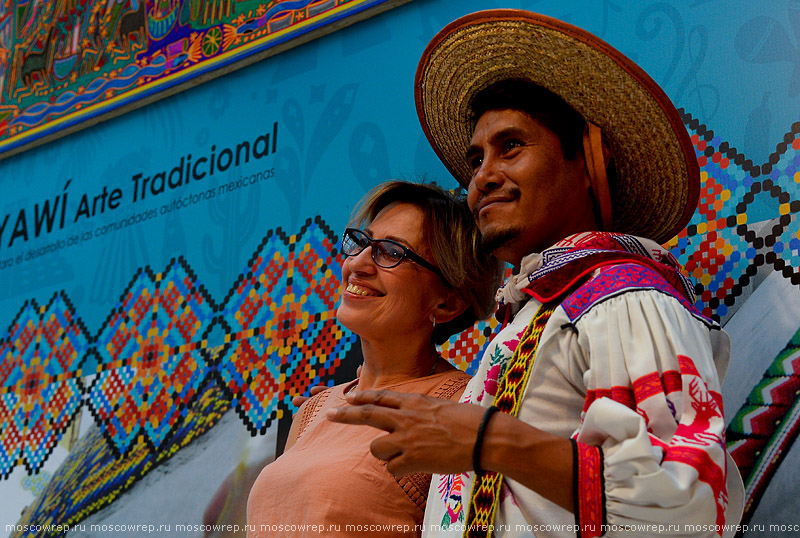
(606, 377)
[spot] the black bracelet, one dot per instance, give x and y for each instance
(476, 452)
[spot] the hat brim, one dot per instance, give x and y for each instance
(658, 179)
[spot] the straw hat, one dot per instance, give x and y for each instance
(658, 179)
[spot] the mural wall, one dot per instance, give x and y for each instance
(64, 63)
(169, 278)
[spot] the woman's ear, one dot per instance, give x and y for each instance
(449, 308)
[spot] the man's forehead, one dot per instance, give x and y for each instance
(501, 122)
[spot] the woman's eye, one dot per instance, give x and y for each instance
(394, 253)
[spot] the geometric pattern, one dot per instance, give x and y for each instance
(152, 357)
(62, 63)
(745, 220)
(283, 336)
(462, 349)
(485, 496)
(765, 427)
(165, 341)
(92, 476)
(40, 387)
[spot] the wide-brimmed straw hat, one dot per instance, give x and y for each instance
(658, 180)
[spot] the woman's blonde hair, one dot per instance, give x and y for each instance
(454, 241)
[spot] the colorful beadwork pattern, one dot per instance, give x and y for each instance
(152, 361)
(283, 336)
(462, 349)
(744, 224)
(92, 476)
(65, 62)
(165, 346)
(40, 387)
(273, 336)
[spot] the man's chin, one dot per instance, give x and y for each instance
(496, 239)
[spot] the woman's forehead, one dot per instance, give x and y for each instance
(399, 221)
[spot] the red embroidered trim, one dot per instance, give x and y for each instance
(708, 471)
(623, 395)
(672, 381)
(643, 388)
(555, 284)
(647, 386)
(590, 512)
(687, 366)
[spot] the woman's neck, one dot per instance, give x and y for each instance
(387, 364)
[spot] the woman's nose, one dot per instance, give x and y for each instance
(362, 262)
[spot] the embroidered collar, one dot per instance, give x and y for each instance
(548, 274)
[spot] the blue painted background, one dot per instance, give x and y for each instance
(346, 121)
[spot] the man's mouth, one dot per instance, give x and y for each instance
(491, 201)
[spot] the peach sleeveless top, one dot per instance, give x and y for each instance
(329, 484)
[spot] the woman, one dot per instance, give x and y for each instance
(414, 276)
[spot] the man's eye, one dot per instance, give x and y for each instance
(475, 162)
(512, 144)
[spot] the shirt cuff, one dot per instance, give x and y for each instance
(588, 489)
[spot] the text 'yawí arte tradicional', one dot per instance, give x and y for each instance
(65, 208)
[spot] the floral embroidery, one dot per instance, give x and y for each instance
(450, 489)
(512, 344)
(497, 362)
(490, 385)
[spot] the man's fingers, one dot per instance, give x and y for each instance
(316, 389)
(368, 415)
(299, 400)
(384, 448)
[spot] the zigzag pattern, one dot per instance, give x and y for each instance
(273, 336)
(93, 476)
(744, 223)
(167, 341)
(763, 430)
(745, 227)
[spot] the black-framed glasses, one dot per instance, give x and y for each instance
(385, 252)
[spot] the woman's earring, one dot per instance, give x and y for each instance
(434, 320)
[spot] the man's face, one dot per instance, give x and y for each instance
(524, 194)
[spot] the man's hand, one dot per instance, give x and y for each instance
(438, 436)
(424, 434)
(299, 400)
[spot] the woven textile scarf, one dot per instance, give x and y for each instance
(485, 495)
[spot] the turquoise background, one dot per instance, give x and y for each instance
(344, 104)
(345, 110)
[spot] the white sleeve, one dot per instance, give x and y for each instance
(650, 452)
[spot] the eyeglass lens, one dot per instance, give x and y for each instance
(384, 252)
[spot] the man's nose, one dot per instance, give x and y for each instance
(486, 177)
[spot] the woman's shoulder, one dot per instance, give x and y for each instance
(451, 385)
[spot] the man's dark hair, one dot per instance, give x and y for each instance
(541, 104)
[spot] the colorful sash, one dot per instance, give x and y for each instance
(485, 495)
